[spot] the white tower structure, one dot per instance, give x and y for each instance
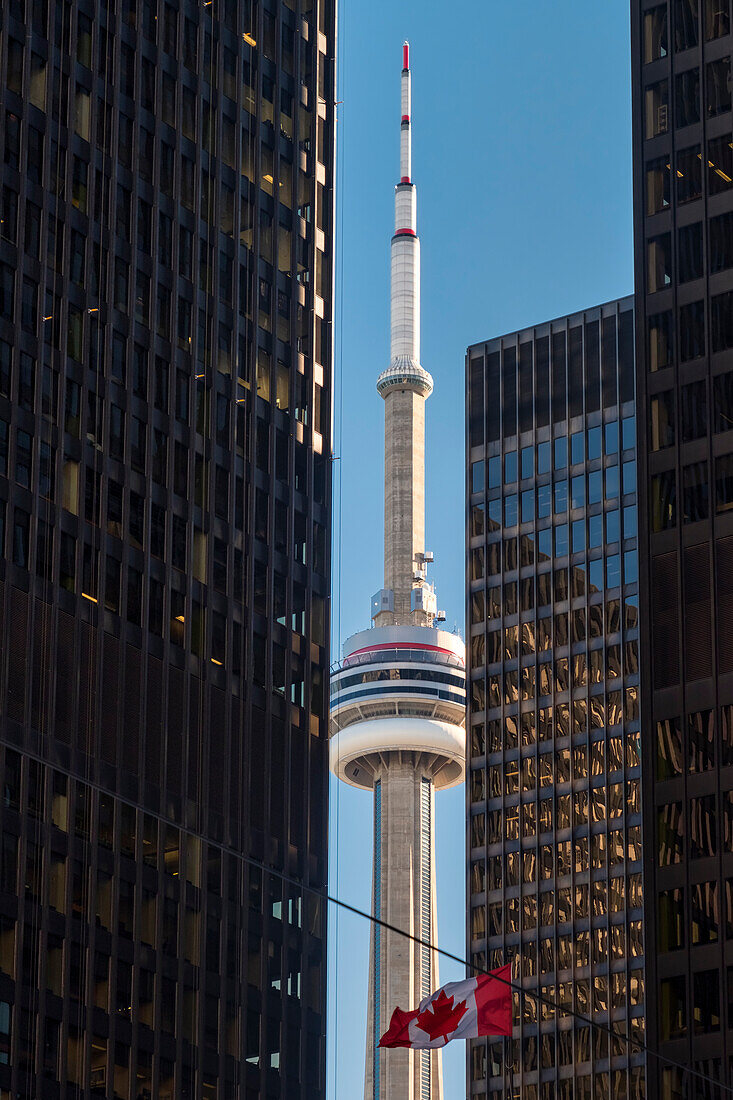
(398, 696)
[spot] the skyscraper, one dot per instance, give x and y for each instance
(554, 784)
(683, 209)
(398, 697)
(165, 373)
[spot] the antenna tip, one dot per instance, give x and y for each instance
(405, 55)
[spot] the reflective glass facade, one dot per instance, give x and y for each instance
(683, 200)
(554, 813)
(166, 180)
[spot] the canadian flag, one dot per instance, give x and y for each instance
(458, 1010)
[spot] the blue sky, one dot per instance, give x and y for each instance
(522, 160)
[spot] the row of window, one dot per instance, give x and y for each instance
(706, 923)
(695, 829)
(692, 21)
(125, 589)
(705, 1017)
(545, 457)
(589, 578)
(548, 723)
(586, 368)
(688, 106)
(544, 681)
(561, 859)
(546, 500)
(586, 668)
(555, 1051)
(696, 502)
(532, 911)
(606, 801)
(690, 264)
(692, 405)
(693, 746)
(687, 182)
(552, 633)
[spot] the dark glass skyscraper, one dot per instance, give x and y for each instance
(165, 373)
(554, 786)
(683, 198)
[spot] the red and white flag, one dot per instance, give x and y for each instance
(458, 1010)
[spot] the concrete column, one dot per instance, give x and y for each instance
(399, 973)
(404, 495)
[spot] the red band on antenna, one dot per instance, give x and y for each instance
(406, 55)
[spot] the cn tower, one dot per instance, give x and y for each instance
(398, 696)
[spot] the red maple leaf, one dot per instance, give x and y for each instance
(440, 1019)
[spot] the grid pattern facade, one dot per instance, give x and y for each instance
(683, 199)
(554, 814)
(165, 368)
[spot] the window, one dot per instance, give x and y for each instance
(662, 424)
(32, 236)
(693, 411)
(689, 252)
(721, 242)
(703, 827)
(659, 262)
(717, 19)
(20, 538)
(656, 102)
(701, 741)
(689, 174)
(137, 444)
(670, 834)
(9, 215)
(695, 492)
(718, 89)
(661, 340)
(721, 321)
(656, 42)
(29, 305)
(720, 165)
(723, 402)
(12, 140)
(687, 98)
(23, 459)
(692, 329)
(658, 185)
(706, 1001)
(669, 748)
(664, 500)
(685, 24)
(612, 525)
(672, 1008)
(724, 483)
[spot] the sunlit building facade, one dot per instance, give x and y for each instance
(554, 769)
(683, 207)
(166, 183)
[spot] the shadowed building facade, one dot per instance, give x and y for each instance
(165, 377)
(554, 770)
(683, 210)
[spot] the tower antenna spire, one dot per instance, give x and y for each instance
(405, 386)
